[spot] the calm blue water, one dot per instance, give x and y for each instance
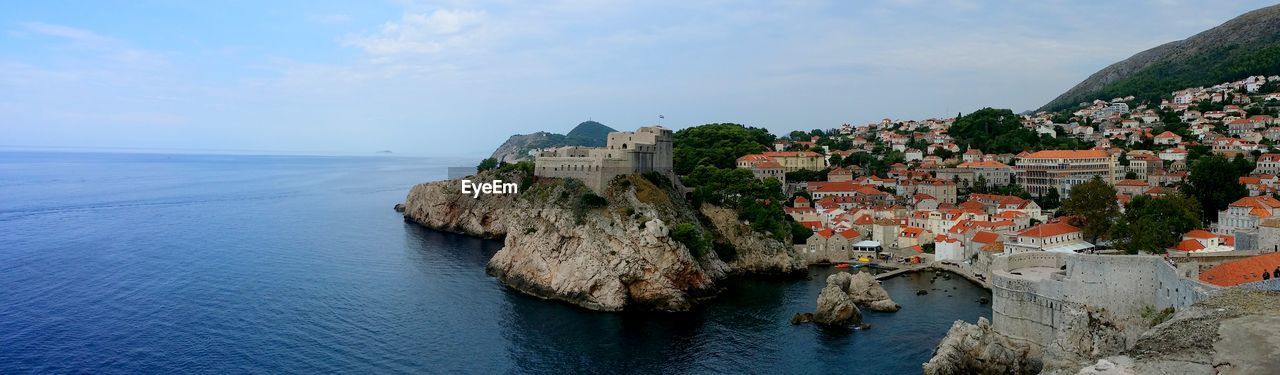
(137, 263)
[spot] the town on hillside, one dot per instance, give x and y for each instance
(1193, 177)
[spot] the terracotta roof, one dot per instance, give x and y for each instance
(850, 234)
(1265, 202)
(825, 232)
(1241, 271)
(1048, 230)
(767, 164)
(1188, 245)
(982, 164)
(912, 232)
(985, 237)
(790, 154)
(802, 199)
(1068, 154)
(1199, 233)
(1132, 183)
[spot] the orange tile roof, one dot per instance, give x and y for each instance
(825, 232)
(1132, 183)
(1068, 154)
(802, 199)
(1188, 245)
(1048, 230)
(982, 164)
(985, 237)
(1199, 233)
(1241, 271)
(850, 234)
(790, 154)
(972, 204)
(768, 164)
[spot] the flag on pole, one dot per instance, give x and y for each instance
(661, 116)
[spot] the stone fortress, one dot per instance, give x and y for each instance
(1050, 298)
(647, 149)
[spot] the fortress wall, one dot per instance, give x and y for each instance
(1177, 291)
(1122, 284)
(1034, 310)
(1028, 310)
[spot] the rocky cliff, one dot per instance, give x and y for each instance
(751, 252)
(640, 246)
(977, 349)
(1236, 332)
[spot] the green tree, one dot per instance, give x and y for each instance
(1155, 224)
(487, 164)
(717, 145)
(993, 131)
(1215, 183)
(1095, 203)
(1050, 200)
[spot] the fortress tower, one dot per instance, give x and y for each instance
(647, 149)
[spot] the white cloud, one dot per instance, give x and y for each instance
(67, 32)
(424, 33)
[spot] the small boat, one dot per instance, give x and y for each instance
(842, 265)
(856, 266)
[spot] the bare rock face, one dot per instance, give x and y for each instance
(977, 349)
(835, 307)
(754, 253)
(1085, 334)
(867, 291)
(600, 264)
(608, 258)
(440, 205)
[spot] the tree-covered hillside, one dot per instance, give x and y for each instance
(1246, 45)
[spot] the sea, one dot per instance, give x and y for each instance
(145, 262)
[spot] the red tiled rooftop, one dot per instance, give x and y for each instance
(1241, 271)
(1048, 230)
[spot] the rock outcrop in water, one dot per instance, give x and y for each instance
(977, 349)
(867, 291)
(561, 242)
(835, 306)
(839, 300)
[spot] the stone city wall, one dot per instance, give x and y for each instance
(1125, 285)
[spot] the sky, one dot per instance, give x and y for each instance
(456, 78)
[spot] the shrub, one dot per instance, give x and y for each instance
(689, 235)
(590, 200)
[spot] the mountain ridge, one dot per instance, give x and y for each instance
(1248, 44)
(517, 147)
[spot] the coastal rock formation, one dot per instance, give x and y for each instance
(839, 300)
(866, 291)
(1235, 332)
(1085, 334)
(563, 243)
(835, 306)
(440, 205)
(977, 349)
(753, 252)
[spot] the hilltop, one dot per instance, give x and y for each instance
(516, 148)
(1246, 45)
